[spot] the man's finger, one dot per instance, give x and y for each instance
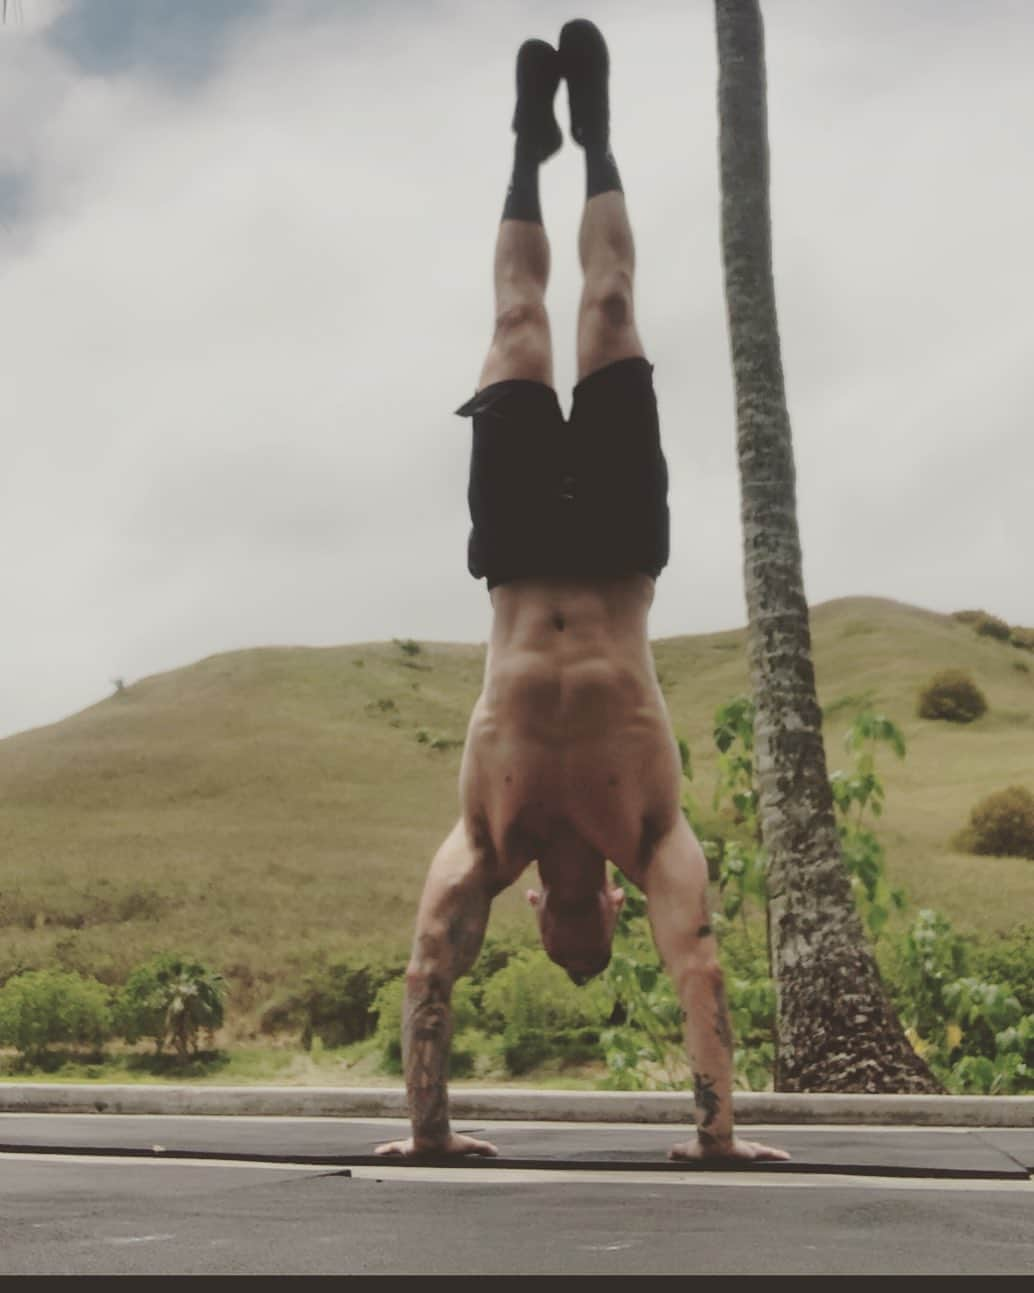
(485, 1149)
(768, 1153)
(396, 1147)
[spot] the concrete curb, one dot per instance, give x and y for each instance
(516, 1104)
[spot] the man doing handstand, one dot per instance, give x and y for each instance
(570, 760)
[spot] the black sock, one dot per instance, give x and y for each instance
(601, 172)
(586, 65)
(522, 197)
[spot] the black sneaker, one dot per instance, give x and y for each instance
(585, 64)
(538, 75)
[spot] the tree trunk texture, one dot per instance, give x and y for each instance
(836, 1029)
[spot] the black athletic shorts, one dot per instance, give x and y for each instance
(588, 496)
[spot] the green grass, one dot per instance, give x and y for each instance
(270, 809)
(350, 1066)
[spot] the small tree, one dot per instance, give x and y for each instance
(41, 1008)
(1002, 825)
(953, 696)
(993, 627)
(171, 999)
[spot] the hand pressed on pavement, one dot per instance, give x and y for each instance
(735, 1151)
(454, 1146)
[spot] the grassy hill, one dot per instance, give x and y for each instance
(271, 808)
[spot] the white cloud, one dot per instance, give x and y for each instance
(238, 313)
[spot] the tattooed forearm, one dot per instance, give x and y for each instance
(722, 1026)
(466, 933)
(707, 1101)
(426, 1034)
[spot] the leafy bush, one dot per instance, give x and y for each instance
(171, 999)
(336, 1003)
(992, 627)
(541, 1014)
(1002, 825)
(974, 1032)
(1007, 959)
(985, 624)
(952, 695)
(40, 1008)
(1022, 638)
(496, 954)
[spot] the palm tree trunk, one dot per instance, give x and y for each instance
(836, 1030)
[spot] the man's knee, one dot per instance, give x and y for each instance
(607, 302)
(521, 335)
(521, 345)
(606, 325)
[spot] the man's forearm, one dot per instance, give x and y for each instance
(426, 1034)
(709, 1045)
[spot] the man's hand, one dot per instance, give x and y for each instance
(732, 1151)
(455, 1146)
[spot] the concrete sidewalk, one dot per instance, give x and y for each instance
(112, 1195)
(751, 1107)
(915, 1152)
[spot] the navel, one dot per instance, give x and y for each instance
(559, 622)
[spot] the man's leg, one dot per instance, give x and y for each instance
(521, 346)
(606, 319)
(450, 928)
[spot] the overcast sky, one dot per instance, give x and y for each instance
(245, 253)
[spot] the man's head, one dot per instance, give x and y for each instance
(577, 932)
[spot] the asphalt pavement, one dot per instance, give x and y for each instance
(107, 1195)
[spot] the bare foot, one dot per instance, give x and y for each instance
(734, 1151)
(455, 1146)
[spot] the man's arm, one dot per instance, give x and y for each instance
(675, 882)
(450, 929)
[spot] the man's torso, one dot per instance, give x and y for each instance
(570, 758)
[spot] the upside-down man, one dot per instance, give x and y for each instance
(570, 760)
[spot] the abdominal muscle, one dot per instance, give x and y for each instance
(570, 758)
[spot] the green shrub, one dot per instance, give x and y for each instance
(1007, 959)
(985, 624)
(991, 626)
(335, 1004)
(1022, 638)
(496, 954)
(40, 1008)
(541, 1014)
(952, 695)
(1002, 825)
(171, 998)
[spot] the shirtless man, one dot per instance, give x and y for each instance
(570, 760)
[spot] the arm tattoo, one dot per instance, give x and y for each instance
(722, 1026)
(426, 1034)
(466, 933)
(707, 1101)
